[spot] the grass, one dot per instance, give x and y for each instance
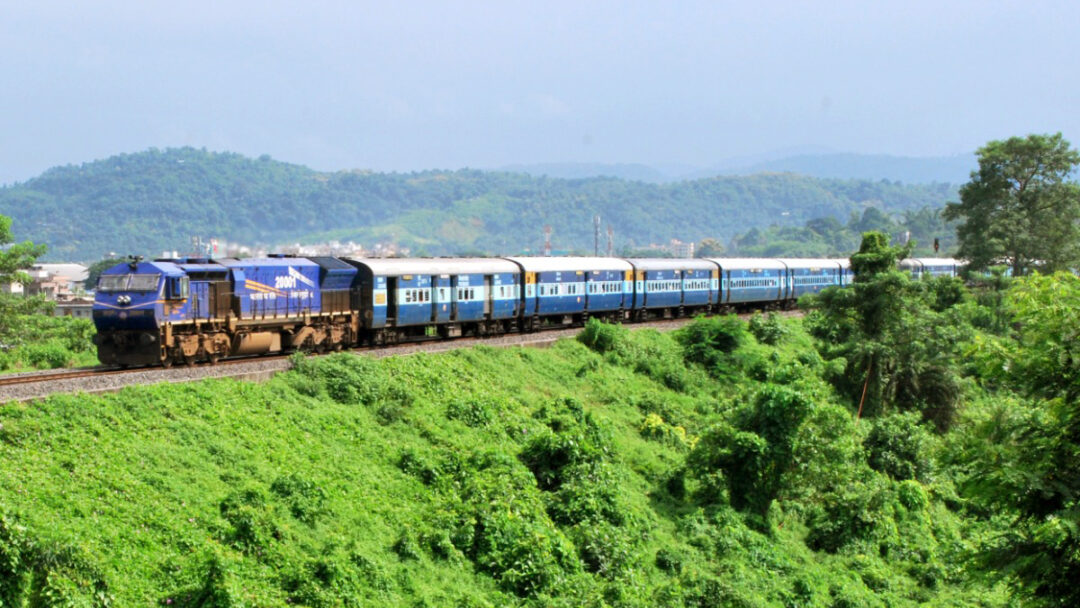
(480, 477)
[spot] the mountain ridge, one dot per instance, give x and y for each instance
(157, 200)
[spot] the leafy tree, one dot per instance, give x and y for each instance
(14, 260)
(710, 248)
(872, 219)
(1019, 206)
(896, 349)
(748, 461)
(1033, 468)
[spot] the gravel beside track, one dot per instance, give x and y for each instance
(261, 368)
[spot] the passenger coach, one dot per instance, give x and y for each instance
(669, 287)
(408, 297)
(565, 291)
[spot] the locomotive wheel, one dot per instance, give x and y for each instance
(167, 362)
(214, 358)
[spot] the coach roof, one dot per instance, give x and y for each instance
(570, 264)
(831, 264)
(672, 264)
(435, 266)
(749, 263)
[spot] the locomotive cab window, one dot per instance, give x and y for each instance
(128, 282)
(112, 282)
(178, 288)
(144, 282)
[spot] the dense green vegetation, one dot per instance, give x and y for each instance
(157, 200)
(829, 237)
(43, 341)
(720, 465)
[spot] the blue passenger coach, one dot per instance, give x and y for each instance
(751, 280)
(400, 297)
(670, 287)
(565, 290)
(811, 275)
(930, 267)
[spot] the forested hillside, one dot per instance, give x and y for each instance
(156, 200)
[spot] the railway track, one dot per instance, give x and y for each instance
(36, 385)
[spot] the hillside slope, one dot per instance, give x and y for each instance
(157, 200)
(563, 477)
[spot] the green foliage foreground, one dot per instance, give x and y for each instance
(696, 469)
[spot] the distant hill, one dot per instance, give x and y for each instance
(632, 171)
(156, 200)
(909, 170)
(812, 163)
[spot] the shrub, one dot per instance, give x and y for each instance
(767, 330)
(603, 548)
(253, 528)
(602, 337)
(708, 342)
(406, 546)
(587, 494)
(474, 411)
(51, 354)
(752, 457)
(521, 553)
(34, 573)
(417, 465)
(348, 378)
(912, 495)
(653, 427)
(898, 446)
(305, 499)
(669, 561)
(848, 515)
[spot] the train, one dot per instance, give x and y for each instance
(189, 310)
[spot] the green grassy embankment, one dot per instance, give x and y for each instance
(703, 469)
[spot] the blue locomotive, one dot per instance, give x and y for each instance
(197, 309)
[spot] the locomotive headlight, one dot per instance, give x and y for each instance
(123, 300)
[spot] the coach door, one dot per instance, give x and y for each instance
(391, 299)
(440, 299)
(489, 294)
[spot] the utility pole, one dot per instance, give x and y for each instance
(610, 241)
(547, 240)
(596, 236)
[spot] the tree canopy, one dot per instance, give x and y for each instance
(893, 335)
(14, 259)
(1020, 207)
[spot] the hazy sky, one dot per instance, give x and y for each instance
(415, 85)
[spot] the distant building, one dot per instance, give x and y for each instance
(80, 308)
(680, 249)
(56, 281)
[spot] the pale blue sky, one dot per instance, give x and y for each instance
(417, 85)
